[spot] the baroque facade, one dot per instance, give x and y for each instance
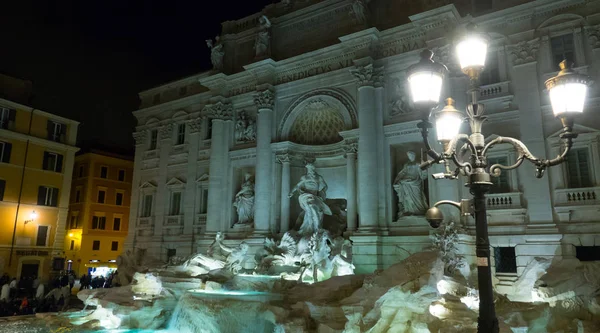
(324, 83)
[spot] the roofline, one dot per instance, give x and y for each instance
(31, 109)
(191, 78)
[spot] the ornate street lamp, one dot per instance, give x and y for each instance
(567, 94)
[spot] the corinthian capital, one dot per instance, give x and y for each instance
(140, 137)
(593, 34)
(283, 158)
(219, 110)
(264, 100)
(368, 75)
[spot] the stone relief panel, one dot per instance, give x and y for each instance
(399, 102)
(524, 51)
(245, 128)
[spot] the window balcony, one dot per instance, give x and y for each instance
(174, 220)
(146, 221)
(494, 90)
(577, 196)
(178, 149)
(151, 154)
(511, 200)
(200, 219)
(579, 204)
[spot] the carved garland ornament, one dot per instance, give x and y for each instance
(195, 125)
(264, 100)
(593, 36)
(166, 131)
(140, 137)
(368, 75)
(524, 52)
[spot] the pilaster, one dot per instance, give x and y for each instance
(189, 204)
(536, 192)
(63, 206)
(351, 213)
(284, 160)
(134, 204)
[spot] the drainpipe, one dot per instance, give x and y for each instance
(12, 244)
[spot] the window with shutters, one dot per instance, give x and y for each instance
(121, 176)
(506, 259)
(47, 196)
(52, 162)
(175, 206)
(80, 171)
(117, 224)
(101, 196)
(119, 199)
(2, 189)
(56, 131)
(501, 183)
(99, 222)
(147, 206)
(104, 172)
(153, 139)
(563, 47)
(74, 224)
(180, 134)
(7, 117)
(114, 246)
(96, 245)
(5, 149)
(72, 246)
(578, 168)
(42, 235)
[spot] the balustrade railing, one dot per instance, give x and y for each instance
(577, 196)
(504, 200)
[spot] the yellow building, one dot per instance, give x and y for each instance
(37, 152)
(98, 211)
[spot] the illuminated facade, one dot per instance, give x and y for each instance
(37, 151)
(329, 87)
(98, 211)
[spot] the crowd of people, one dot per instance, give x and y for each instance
(28, 294)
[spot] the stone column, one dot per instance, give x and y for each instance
(351, 149)
(368, 78)
(284, 159)
(189, 203)
(134, 210)
(264, 101)
(217, 113)
(527, 96)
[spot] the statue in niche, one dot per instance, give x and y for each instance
(216, 53)
(262, 44)
(409, 186)
(245, 128)
(360, 11)
(398, 103)
(244, 201)
(312, 190)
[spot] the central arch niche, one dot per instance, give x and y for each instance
(318, 123)
(317, 118)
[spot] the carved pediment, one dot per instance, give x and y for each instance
(174, 182)
(203, 178)
(148, 185)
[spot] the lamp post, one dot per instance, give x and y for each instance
(468, 152)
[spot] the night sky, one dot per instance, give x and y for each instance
(89, 59)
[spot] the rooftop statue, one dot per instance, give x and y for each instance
(216, 53)
(262, 44)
